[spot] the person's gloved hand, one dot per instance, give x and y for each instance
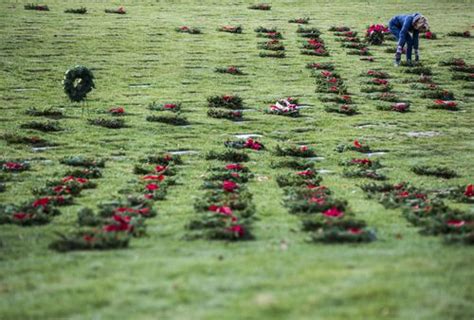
(398, 56)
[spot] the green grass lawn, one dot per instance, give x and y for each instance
(139, 58)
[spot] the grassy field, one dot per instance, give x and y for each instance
(139, 58)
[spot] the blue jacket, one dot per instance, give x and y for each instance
(404, 23)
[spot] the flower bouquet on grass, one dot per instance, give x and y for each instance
(81, 10)
(444, 105)
(117, 111)
(270, 35)
(133, 224)
(440, 172)
(368, 59)
(231, 167)
(339, 29)
(453, 62)
(376, 88)
(226, 101)
(316, 204)
(299, 20)
(397, 107)
(245, 144)
(438, 94)
(133, 206)
(186, 29)
(419, 70)
(429, 35)
(377, 74)
(107, 123)
(28, 214)
(119, 10)
(68, 186)
(308, 32)
(273, 45)
(237, 177)
(88, 173)
(173, 119)
(96, 239)
(225, 114)
(356, 145)
(345, 109)
(81, 161)
(313, 44)
(361, 52)
(341, 235)
(348, 40)
(44, 126)
(240, 203)
(395, 195)
(273, 54)
(37, 7)
(320, 66)
(295, 164)
(164, 159)
(302, 178)
(260, 6)
(463, 77)
(173, 107)
(363, 173)
(463, 68)
(346, 34)
(228, 156)
(47, 112)
(375, 34)
(230, 70)
(219, 226)
(33, 141)
(465, 34)
(295, 151)
(285, 107)
(319, 52)
(462, 193)
(265, 29)
(363, 163)
(424, 86)
(321, 221)
(150, 169)
(14, 166)
(230, 29)
(354, 45)
(385, 96)
(344, 99)
(230, 186)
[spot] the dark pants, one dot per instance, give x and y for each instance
(395, 30)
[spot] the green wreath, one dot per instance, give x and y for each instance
(78, 82)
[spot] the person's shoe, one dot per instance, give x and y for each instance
(409, 63)
(396, 63)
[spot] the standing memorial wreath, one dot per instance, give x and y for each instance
(78, 82)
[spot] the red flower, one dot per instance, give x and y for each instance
(238, 230)
(88, 238)
(404, 194)
(160, 168)
(317, 200)
(469, 192)
(456, 223)
(346, 98)
(59, 189)
(121, 223)
(227, 98)
(362, 161)
(303, 148)
(357, 144)
(184, 28)
(334, 89)
(447, 104)
(229, 186)
(21, 216)
(400, 106)
(43, 202)
(380, 81)
(169, 106)
(152, 187)
(117, 110)
(227, 211)
(333, 213)
(234, 166)
(466, 34)
(332, 80)
(306, 173)
(148, 196)
(250, 143)
(121, 10)
(13, 165)
(355, 231)
(154, 177)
